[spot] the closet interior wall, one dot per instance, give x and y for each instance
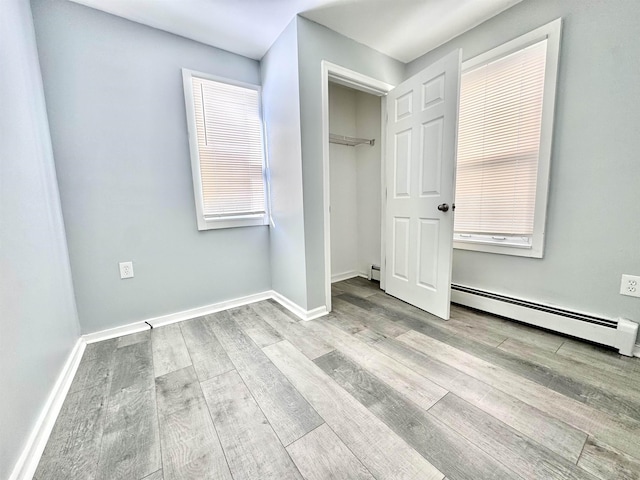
(355, 177)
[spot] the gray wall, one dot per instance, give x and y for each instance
(317, 43)
(369, 162)
(593, 222)
(355, 182)
(343, 168)
(280, 98)
(116, 108)
(38, 320)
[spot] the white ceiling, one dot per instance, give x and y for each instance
(406, 29)
(403, 29)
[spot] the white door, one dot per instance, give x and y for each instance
(420, 173)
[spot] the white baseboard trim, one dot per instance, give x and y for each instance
(115, 332)
(170, 318)
(339, 277)
(315, 313)
(208, 309)
(297, 310)
(30, 457)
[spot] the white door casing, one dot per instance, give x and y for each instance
(420, 173)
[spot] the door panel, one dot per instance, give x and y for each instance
(404, 106)
(431, 157)
(421, 149)
(400, 267)
(402, 164)
(427, 263)
(433, 92)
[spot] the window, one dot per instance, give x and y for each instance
(507, 99)
(227, 151)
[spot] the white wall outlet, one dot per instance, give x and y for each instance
(630, 285)
(126, 269)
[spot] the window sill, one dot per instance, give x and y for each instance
(232, 222)
(486, 247)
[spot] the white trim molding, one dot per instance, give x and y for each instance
(30, 457)
(226, 221)
(115, 332)
(297, 310)
(208, 309)
(170, 318)
(352, 79)
(533, 247)
(339, 277)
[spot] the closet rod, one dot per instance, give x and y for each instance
(350, 141)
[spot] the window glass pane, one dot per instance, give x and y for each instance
(230, 148)
(498, 143)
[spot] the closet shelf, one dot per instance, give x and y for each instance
(350, 141)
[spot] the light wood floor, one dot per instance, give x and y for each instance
(378, 389)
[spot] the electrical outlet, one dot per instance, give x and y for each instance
(630, 285)
(126, 269)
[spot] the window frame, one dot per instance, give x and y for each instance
(511, 245)
(227, 221)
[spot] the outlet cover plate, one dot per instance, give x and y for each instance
(630, 285)
(126, 270)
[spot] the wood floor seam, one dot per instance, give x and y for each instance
(286, 388)
(498, 346)
(489, 390)
(104, 419)
(349, 448)
(265, 416)
(582, 450)
(536, 463)
(226, 459)
(199, 382)
(162, 458)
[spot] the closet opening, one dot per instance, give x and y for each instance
(353, 176)
(355, 183)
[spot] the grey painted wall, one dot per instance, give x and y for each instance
(38, 319)
(116, 108)
(317, 43)
(281, 109)
(343, 170)
(369, 161)
(355, 182)
(593, 222)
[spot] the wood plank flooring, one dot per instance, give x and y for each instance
(378, 389)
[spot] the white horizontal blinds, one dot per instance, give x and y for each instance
(230, 147)
(498, 144)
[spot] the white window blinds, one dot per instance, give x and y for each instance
(230, 148)
(498, 144)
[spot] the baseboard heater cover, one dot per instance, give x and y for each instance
(620, 334)
(374, 272)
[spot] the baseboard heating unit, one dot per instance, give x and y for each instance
(620, 334)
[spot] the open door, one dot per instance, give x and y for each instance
(420, 172)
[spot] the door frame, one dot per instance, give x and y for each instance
(357, 81)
